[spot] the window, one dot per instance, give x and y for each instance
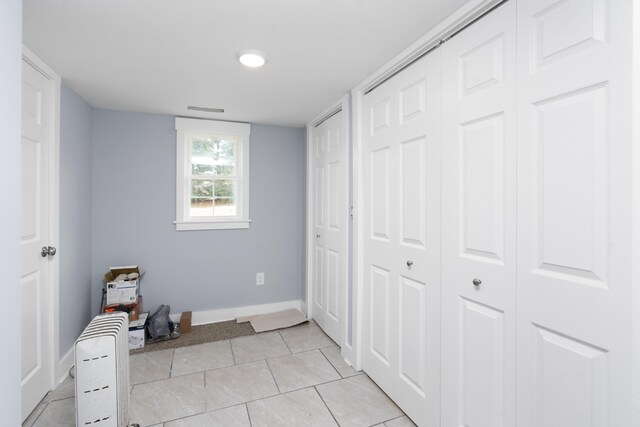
(212, 180)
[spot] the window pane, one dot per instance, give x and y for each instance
(201, 206)
(201, 197)
(225, 206)
(225, 188)
(202, 188)
(225, 197)
(212, 155)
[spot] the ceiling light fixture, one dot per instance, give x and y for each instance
(252, 58)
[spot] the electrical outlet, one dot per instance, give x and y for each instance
(259, 279)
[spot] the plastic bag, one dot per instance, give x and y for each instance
(159, 324)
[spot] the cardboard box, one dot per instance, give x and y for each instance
(133, 309)
(185, 322)
(123, 291)
(137, 332)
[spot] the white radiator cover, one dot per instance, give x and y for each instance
(102, 372)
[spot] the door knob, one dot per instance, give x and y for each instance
(477, 282)
(48, 250)
(409, 263)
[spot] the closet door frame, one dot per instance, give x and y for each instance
(342, 107)
(454, 22)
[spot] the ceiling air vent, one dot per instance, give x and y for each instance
(205, 109)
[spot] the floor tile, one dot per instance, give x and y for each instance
(358, 401)
(33, 416)
(336, 359)
(258, 347)
(301, 370)
(201, 357)
(60, 413)
(236, 416)
(165, 400)
(65, 390)
(298, 408)
(400, 422)
(305, 338)
(151, 366)
(239, 384)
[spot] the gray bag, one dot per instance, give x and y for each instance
(159, 324)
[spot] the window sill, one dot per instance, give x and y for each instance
(211, 225)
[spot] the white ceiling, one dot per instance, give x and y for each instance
(158, 56)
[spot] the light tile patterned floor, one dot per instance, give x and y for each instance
(293, 377)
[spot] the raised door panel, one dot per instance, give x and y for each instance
(570, 381)
(571, 197)
(333, 284)
(379, 195)
(412, 335)
(482, 367)
(319, 277)
(334, 192)
(380, 318)
(412, 193)
(482, 188)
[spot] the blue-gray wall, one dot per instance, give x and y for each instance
(134, 171)
(10, 85)
(75, 217)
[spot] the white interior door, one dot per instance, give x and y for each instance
(331, 187)
(574, 213)
(479, 223)
(401, 238)
(36, 142)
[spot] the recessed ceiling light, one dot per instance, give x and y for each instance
(252, 58)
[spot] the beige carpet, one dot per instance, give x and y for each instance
(201, 334)
(272, 321)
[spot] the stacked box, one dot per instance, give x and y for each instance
(137, 332)
(123, 291)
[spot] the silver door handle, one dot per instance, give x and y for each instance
(477, 282)
(48, 250)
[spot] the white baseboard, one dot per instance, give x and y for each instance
(61, 371)
(212, 316)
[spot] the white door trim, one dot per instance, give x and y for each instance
(60, 365)
(635, 49)
(342, 107)
(457, 20)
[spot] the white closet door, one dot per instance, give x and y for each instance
(35, 234)
(574, 213)
(330, 228)
(479, 223)
(401, 190)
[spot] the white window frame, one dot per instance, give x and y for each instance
(185, 128)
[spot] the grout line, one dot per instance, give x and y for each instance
(232, 354)
(285, 342)
(40, 414)
(326, 406)
(331, 364)
(173, 356)
(272, 376)
(246, 408)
